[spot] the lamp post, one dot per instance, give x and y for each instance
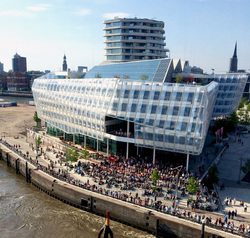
(178, 168)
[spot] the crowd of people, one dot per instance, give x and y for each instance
(130, 181)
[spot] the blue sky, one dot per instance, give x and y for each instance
(201, 31)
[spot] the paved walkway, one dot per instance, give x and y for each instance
(229, 171)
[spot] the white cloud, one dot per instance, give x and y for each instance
(115, 14)
(83, 12)
(40, 7)
(14, 13)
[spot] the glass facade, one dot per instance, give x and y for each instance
(231, 87)
(166, 116)
(154, 70)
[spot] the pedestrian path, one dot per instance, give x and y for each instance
(229, 174)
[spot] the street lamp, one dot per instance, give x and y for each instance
(178, 168)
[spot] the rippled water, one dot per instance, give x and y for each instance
(27, 212)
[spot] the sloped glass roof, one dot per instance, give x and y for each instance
(153, 69)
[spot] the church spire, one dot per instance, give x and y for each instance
(235, 50)
(64, 66)
(234, 61)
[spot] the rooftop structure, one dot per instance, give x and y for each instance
(133, 39)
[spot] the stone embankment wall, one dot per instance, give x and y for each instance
(125, 212)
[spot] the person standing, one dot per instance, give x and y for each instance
(234, 201)
(229, 214)
(232, 214)
(245, 207)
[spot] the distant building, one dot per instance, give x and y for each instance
(133, 39)
(16, 81)
(19, 64)
(234, 61)
(1, 67)
(64, 66)
(32, 75)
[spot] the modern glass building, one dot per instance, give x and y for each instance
(131, 111)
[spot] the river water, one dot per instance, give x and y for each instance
(16, 99)
(25, 212)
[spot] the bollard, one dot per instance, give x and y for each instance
(106, 229)
(7, 159)
(27, 173)
(157, 228)
(17, 166)
(203, 230)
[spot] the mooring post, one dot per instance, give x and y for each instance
(27, 172)
(7, 159)
(17, 166)
(106, 229)
(203, 230)
(157, 228)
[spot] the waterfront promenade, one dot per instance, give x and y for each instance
(25, 146)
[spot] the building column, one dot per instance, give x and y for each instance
(64, 135)
(127, 150)
(187, 164)
(154, 156)
(84, 141)
(107, 146)
(127, 128)
(74, 139)
(97, 145)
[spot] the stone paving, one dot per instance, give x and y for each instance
(229, 169)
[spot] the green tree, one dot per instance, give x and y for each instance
(233, 119)
(242, 103)
(85, 153)
(144, 77)
(246, 119)
(192, 186)
(38, 141)
(246, 168)
(37, 119)
(248, 108)
(178, 78)
(71, 155)
(155, 176)
(98, 76)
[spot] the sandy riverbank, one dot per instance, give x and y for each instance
(14, 120)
